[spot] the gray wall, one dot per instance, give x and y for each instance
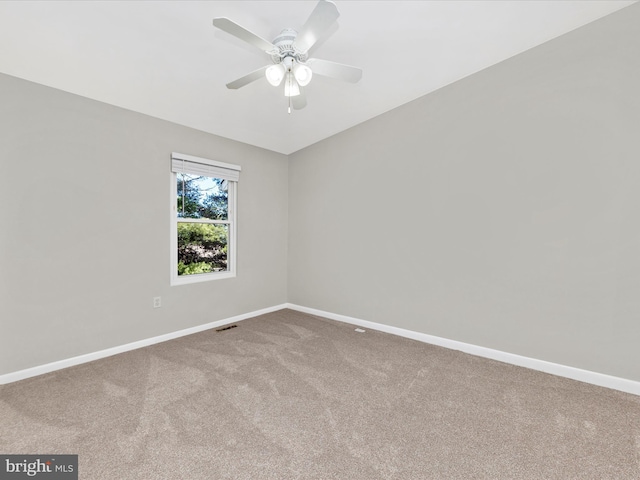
(502, 210)
(84, 232)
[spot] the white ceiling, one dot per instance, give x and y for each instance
(165, 59)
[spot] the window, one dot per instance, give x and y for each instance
(203, 223)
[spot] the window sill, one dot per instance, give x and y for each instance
(199, 278)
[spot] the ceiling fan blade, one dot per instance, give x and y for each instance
(335, 70)
(248, 78)
(242, 33)
(299, 101)
(327, 34)
(321, 19)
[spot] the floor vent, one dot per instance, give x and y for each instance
(226, 328)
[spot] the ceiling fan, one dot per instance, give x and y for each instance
(289, 53)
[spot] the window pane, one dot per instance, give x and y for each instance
(202, 248)
(202, 197)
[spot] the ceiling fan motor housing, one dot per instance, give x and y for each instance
(284, 42)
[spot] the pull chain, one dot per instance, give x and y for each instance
(290, 86)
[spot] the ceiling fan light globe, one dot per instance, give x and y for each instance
(303, 75)
(291, 88)
(275, 74)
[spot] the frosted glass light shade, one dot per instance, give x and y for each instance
(275, 74)
(291, 88)
(303, 74)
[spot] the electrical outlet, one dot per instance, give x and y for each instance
(157, 302)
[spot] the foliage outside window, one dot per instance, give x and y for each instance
(204, 220)
(203, 224)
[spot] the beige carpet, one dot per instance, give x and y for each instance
(293, 396)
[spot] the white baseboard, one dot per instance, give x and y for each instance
(89, 357)
(600, 379)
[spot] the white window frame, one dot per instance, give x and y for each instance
(233, 170)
